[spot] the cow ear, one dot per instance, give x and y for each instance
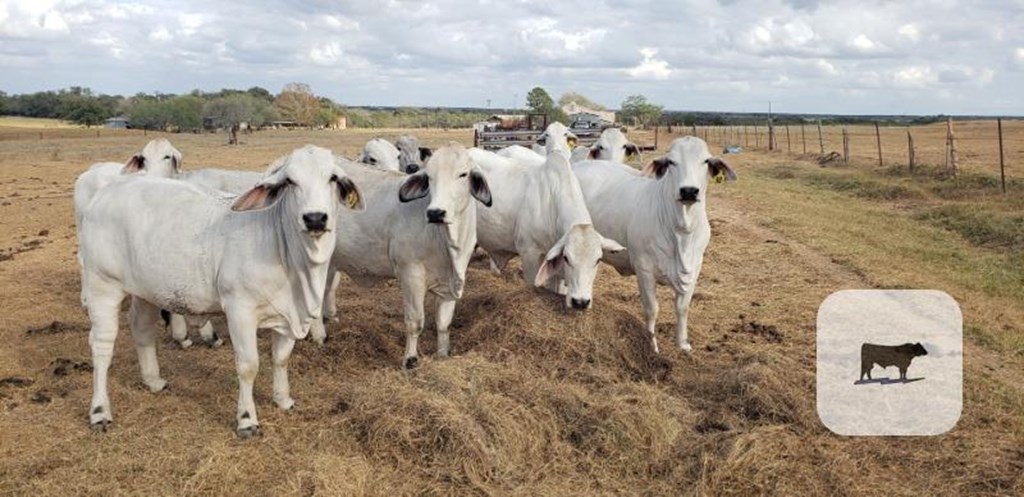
(425, 154)
(263, 194)
(176, 163)
(414, 187)
(135, 164)
(611, 246)
(348, 193)
(571, 139)
(717, 166)
(478, 188)
(631, 150)
(657, 167)
(595, 151)
(552, 264)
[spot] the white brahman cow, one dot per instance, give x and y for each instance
(662, 220)
(260, 258)
(412, 155)
(612, 145)
(556, 137)
(381, 154)
(539, 214)
(420, 229)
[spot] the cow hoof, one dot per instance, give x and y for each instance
(249, 432)
(186, 343)
(286, 404)
(157, 386)
(685, 347)
(411, 362)
(214, 341)
(100, 426)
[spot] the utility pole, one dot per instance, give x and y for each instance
(771, 128)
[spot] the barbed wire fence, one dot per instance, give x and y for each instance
(988, 147)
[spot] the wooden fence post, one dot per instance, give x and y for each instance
(878, 138)
(746, 136)
(771, 135)
(910, 150)
(846, 145)
(693, 128)
(803, 137)
(757, 138)
(1002, 166)
(952, 167)
(789, 144)
(821, 141)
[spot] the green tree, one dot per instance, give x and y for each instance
(573, 97)
(231, 111)
(85, 110)
(185, 112)
(639, 110)
(148, 113)
(540, 102)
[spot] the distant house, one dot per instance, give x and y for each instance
(118, 122)
(585, 117)
(284, 124)
(340, 123)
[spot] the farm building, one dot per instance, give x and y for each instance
(500, 121)
(118, 122)
(585, 117)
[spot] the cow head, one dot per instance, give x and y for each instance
(306, 183)
(557, 137)
(158, 158)
(687, 168)
(919, 350)
(451, 180)
(574, 259)
(411, 155)
(613, 146)
(381, 154)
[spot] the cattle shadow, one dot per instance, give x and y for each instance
(886, 381)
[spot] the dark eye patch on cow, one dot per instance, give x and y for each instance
(463, 175)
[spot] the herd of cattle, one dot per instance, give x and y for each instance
(265, 249)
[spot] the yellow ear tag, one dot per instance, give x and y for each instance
(720, 177)
(352, 199)
(571, 142)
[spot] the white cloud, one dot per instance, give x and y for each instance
(862, 43)
(910, 32)
(914, 77)
(325, 54)
(651, 67)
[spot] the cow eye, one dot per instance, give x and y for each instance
(542, 140)
(288, 181)
(463, 175)
(167, 157)
(373, 160)
(566, 259)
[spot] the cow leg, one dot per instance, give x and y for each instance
(142, 319)
(179, 330)
(531, 265)
(649, 299)
(242, 328)
(445, 313)
(209, 336)
(413, 292)
(682, 315)
(280, 352)
(903, 373)
(103, 303)
(330, 297)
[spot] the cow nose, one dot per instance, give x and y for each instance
(315, 221)
(412, 168)
(435, 215)
(688, 193)
(579, 303)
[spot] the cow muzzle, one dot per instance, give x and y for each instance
(316, 222)
(412, 168)
(688, 194)
(579, 303)
(436, 216)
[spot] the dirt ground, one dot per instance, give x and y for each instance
(536, 400)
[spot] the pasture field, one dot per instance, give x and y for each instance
(536, 400)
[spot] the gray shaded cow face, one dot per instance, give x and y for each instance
(613, 146)
(307, 182)
(574, 258)
(158, 158)
(557, 137)
(450, 178)
(687, 168)
(381, 154)
(411, 155)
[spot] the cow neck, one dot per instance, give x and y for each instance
(306, 263)
(458, 241)
(678, 224)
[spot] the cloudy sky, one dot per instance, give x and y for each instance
(855, 57)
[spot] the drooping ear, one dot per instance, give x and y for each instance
(478, 187)
(718, 166)
(414, 187)
(263, 194)
(348, 193)
(552, 264)
(425, 154)
(595, 152)
(176, 163)
(631, 150)
(657, 167)
(611, 246)
(135, 164)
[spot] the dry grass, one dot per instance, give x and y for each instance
(536, 400)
